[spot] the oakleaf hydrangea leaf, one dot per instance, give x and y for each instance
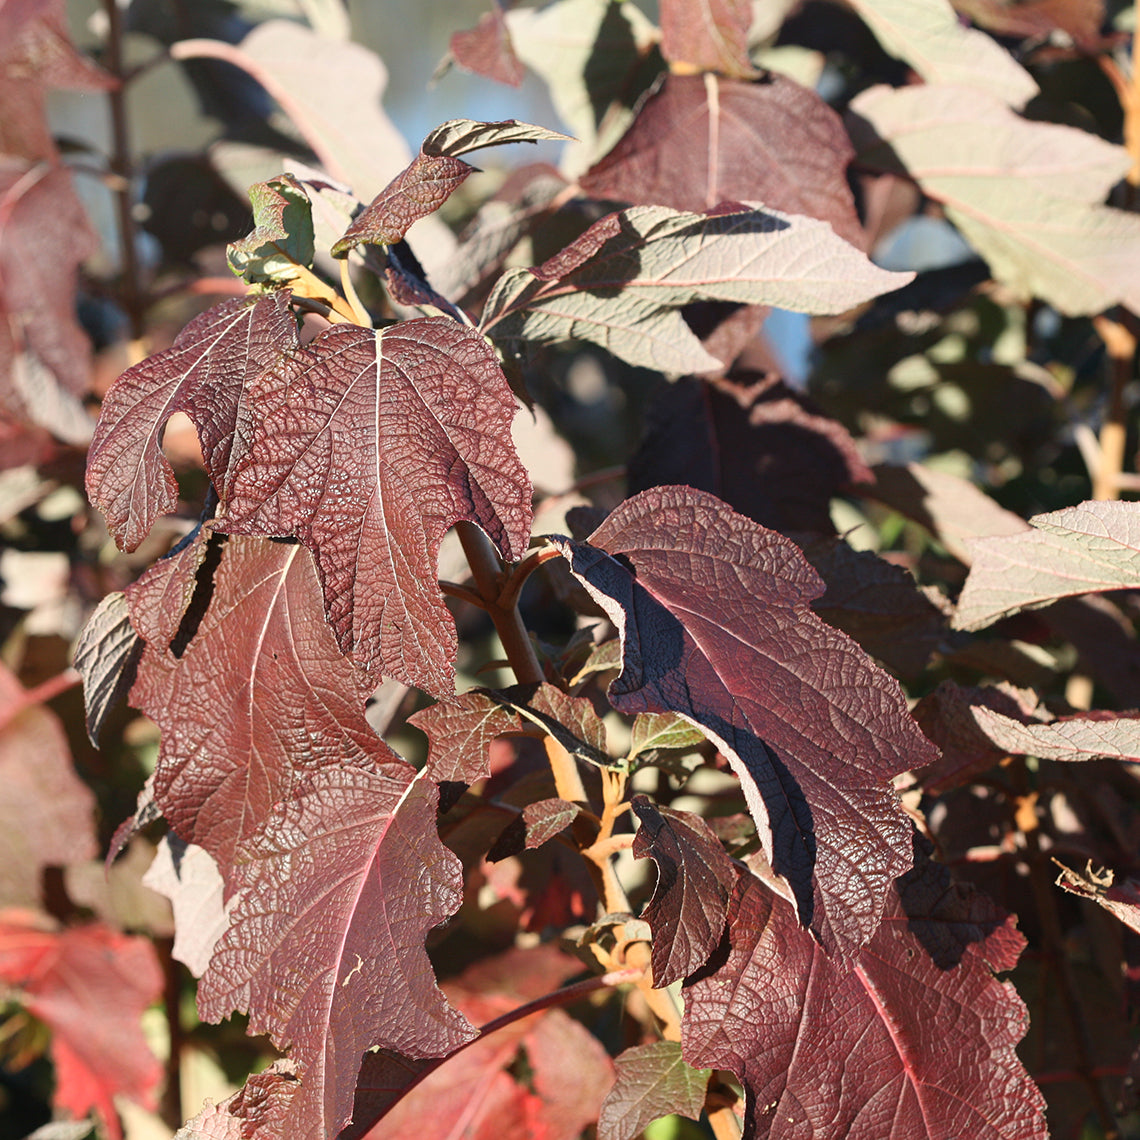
(282, 238)
(715, 620)
(708, 35)
(652, 1081)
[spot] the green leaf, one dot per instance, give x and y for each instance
(652, 1081)
(282, 238)
(662, 730)
(927, 35)
(1026, 195)
(622, 283)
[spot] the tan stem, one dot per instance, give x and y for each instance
(1121, 347)
(725, 1124)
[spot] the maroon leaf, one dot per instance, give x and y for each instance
(325, 944)
(694, 881)
(486, 49)
(765, 450)
(258, 698)
(539, 823)
(368, 445)
(44, 354)
(461, 730)
(916, 1039)
(204, 374)
(652, 1081)
(90, 985)
(46, 811)
(715, 622)
(708, 35)
(702, 140)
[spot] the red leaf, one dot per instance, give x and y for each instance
(205, 374)
(652, 1081)
(715, 622)
(486, 49)
(694, 881)
(765, 450)
(260, 696)
(702, 140)
(46, 811)
(916, 1039)
(708, 35)
(90, 986)
(45, 357)
(368, 445)
(325, 945)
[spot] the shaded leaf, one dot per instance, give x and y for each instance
(187, 875)
(763, 448)
(540, 822)
(1120, 899)
(486, 49)
(368, 445)
(951, 508)
(282, 238)
(1081, 19)
(117, 892)
(661, 730)
(708, 35)
(260, 696)
(1026, 195)
(715, 623)
(106, 656)
(947, 717)
(652, 1081)
(1082, 550)
(694, 881)
(461, 730)
(880, 605)
(927, 34)
(621, 284)
(47, 814)
(339, 889)
(932, 1030)
(205, 374)
(702, 140)
(90, 985)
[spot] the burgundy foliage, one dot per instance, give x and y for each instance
(487, 50)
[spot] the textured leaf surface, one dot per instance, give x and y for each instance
(368, 445)
(662, 730)
(325, 944)
(621, 284)
(916, 1039)
(1082, 736)
(260, 697)
(282, 237)
(1026, 195)
(1082, 550)
(694, 881)
(927, 34)
(47, 814)
(702, 140)
(652, 1081)
(708, 35)
(461, 136)
(486, 49)
(106, 656)
(460, 731)
(714, 614)
(763, 448)
(90, 985)
(205, 374)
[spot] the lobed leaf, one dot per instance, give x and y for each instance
(324, 950)
(703, 140)
(258, 699)
(695, 878)
(915, 1040)
(652, 1081)
(1026, 195)
(621, 284)
(90, 985)
(927, 34)
(715, 621)
(1081, 550)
